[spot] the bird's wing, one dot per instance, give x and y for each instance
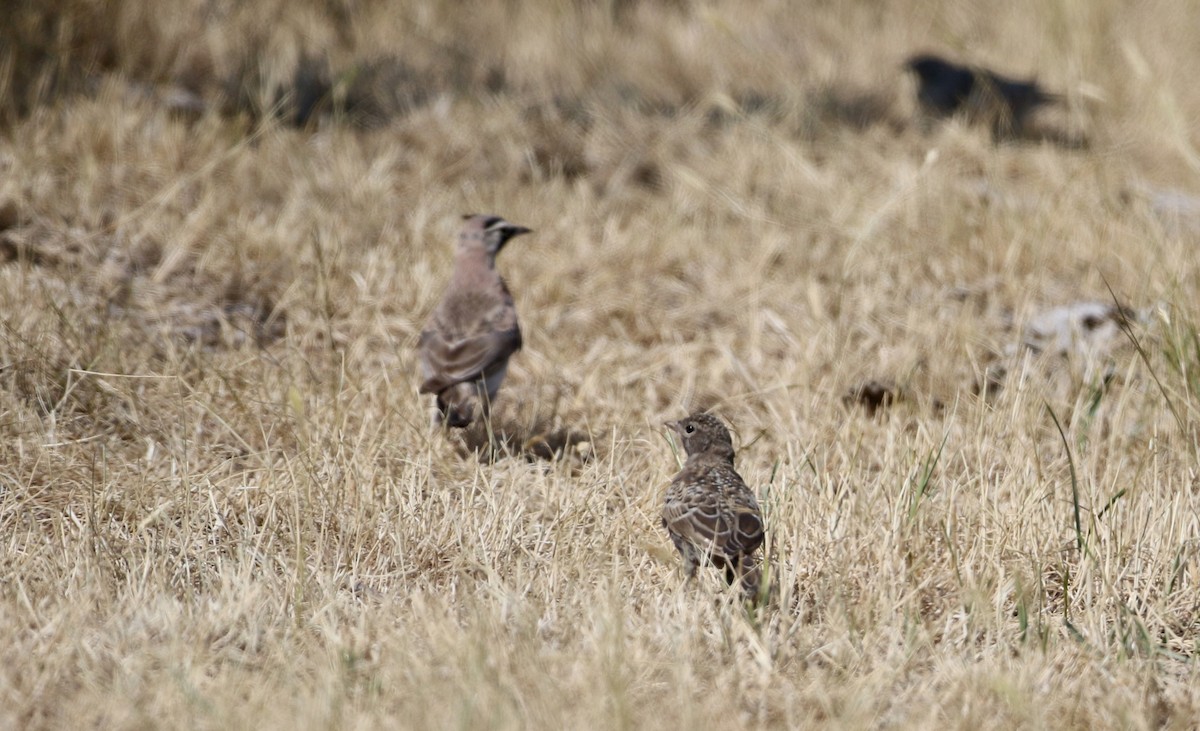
(946, 90)
(748, 530)
(446, 362)
(1016, 92)
(724, 519)
(1025, 93)
(697, 521)
(696, 508)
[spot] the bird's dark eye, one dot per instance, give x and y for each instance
(690, 428)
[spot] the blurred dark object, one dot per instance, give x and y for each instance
(945, 89)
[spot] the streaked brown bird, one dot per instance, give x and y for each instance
(709, 512)
(471, 334)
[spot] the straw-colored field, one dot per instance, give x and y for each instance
(222, 506)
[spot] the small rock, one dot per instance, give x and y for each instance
(10, 214)
(1084, 328)
(872, 395)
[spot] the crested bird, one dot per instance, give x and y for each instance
(473, 331)
(945, 89)
(708, 511)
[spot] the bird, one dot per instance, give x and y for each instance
(473, 331)
(945, 89)
(708, 511)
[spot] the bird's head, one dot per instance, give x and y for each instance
(927, 66)
(490, 233)
(703, 433)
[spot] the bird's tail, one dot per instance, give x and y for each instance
(1041, 96)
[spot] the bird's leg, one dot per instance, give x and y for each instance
(731, 571)
(751, 577)
(690, 559)
(442, 416)
(925, 123)
(485, 408)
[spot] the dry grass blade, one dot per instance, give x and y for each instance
(1079, 542)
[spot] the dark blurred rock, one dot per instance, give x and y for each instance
(872, 396)
(10, 214)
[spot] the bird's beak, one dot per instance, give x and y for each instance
(511, 231)
(672, 425)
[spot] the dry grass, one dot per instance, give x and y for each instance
(220, 502)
